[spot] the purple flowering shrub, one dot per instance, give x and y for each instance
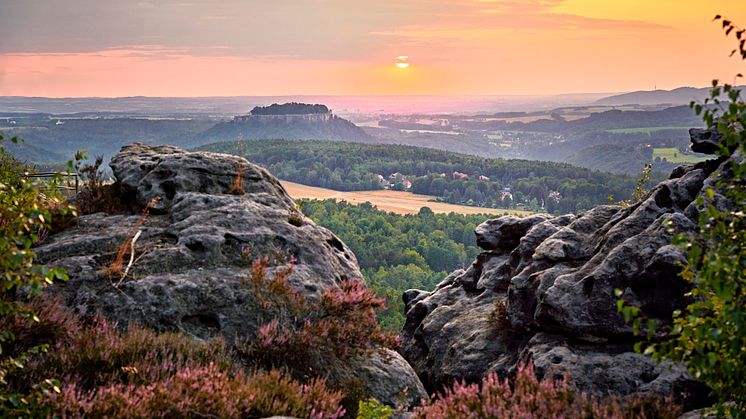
(307, 333)
(205, 391)
(312, 337)
(530, 397)
(140, 373)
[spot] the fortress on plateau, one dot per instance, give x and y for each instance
(290, 121)
(287, 113)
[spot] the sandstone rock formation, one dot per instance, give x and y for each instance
(194, 250)
(543, 291)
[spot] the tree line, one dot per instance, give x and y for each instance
(353, 166)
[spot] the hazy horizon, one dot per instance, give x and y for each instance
(340, 104)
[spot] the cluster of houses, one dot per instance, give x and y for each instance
(397, 178)
(393, 180)
(464, 176)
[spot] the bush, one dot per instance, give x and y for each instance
(304, 333)
(26, 216)
(205, 391)
(95, 195)
(373, 409)
(315, 337)
(531, 398)
(141, 373)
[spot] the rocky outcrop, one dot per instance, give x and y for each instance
(544, 291)
(214, 215)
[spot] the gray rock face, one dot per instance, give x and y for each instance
(543, 292)
(705, 140)
(194, 250)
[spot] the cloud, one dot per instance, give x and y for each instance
(482, 19)
(314, 29)
(520, 6)
(144, 5)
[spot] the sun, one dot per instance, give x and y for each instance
(402, 61)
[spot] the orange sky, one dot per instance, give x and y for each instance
(78, 48)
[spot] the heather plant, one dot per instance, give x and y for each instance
(530, 397)
(313, 337)
(499, 317)
(139, 373)
(303, 332)
(205, 391)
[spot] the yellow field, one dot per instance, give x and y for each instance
(394, 201)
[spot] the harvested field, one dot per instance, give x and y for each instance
(394, 201)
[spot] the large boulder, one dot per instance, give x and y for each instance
(214, 214)
(544, 292)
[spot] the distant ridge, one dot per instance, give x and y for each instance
(679, 96)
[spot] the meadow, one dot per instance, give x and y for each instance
(673, 155)
(644, 130)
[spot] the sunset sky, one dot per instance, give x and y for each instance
(74, 48)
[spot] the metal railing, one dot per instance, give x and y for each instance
(67, 187)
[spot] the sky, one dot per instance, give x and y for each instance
(109, 48)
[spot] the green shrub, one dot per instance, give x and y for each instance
(26, 215)
(373, 409)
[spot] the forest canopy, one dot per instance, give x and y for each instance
(539, 186)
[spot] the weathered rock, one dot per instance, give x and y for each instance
(544, 291)
(505, 232)
(194, 251)
(705, 141)
(391, 379)
(610, 369)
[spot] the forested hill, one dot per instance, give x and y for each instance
(452, 177)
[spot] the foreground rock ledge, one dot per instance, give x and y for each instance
(194, 249)
(544, 292)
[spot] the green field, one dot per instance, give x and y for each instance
(642, 130)
(673, 155)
